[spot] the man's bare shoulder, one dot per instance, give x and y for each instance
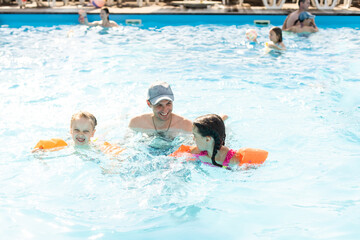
(285, 23)
(290, 20)
(182, 123)
(141, 121)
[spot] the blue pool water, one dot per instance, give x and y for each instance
(162, 20)
(302, 106)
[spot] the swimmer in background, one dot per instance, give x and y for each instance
(305, 23)
(82, 129)
(104, 14)
(209, 135)
(276, 40)
(292, 17)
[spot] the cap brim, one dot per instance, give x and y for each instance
(160, 98)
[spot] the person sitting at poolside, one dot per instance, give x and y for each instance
(292, 17)
(276, 40)
(82, 129)
(209, 135)
(104, 14)
(305, 23)
(162, 120)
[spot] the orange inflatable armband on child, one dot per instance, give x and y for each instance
(184, 151)
(57, 144)
(251, 156)
(49, 144)
(109, 148)
(243, 155)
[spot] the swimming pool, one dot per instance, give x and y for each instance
(302, 106)
(162, 20)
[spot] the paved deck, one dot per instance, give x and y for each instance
(163, 8)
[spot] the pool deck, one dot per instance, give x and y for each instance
(166, 8)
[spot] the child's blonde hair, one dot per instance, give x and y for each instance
(86, 115)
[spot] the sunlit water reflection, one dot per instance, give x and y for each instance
(303, 106)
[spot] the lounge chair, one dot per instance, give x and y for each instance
(325, 4)
(273, 4)
(347, 3)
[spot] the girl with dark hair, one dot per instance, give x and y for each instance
(276, 40)
(104, 14)
(209, 135)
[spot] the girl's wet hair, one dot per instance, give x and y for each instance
(278, 33)
(212, 125)
(107, 12)
(86, 115)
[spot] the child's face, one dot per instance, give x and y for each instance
(103, 15)
(200, 141)
(273, 37)
(81, 131)
(308, 22)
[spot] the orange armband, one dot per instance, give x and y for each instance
(251, 156)
(109, 148)
(49, 144)
(184, 151)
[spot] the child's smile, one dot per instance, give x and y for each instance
(81, 131)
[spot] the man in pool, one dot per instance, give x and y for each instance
(104, 15)
(162, 120)
(292, 17)
(305, 23)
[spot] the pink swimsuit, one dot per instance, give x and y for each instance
(226, 162)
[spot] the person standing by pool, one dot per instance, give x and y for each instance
(162, 120)
(305, 23)
(104, 14)
(292, 17)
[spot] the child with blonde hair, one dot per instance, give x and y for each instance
(82, 129)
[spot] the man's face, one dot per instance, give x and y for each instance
(162, 110)
(305, 5)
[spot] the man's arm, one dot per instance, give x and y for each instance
(294, 29)
(285, 22)
(113, 24)
(314, 26)
(310, 29)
